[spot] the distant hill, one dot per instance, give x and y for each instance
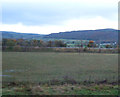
(96, 35)
(16, 35)
(100, 34)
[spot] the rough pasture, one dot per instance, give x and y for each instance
(43, 67)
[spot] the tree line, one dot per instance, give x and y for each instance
(40, 43)
(45, 46)
(32, 43)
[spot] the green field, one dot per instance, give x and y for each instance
(37, 73)
(66, 89)
(43, 67)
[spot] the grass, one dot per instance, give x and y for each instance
(66, 89)
(59, 73)
(38, 67)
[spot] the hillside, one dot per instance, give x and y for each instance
(16, 35)
(101, 34)
(96, 35)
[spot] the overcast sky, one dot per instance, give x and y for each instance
(52, 16)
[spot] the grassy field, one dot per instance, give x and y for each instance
(31, 73)
(42, 67)
(66, 89)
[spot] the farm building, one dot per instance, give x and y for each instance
(107, 45)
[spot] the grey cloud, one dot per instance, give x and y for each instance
(52, 13)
